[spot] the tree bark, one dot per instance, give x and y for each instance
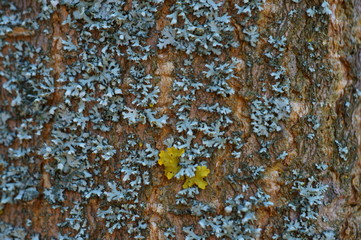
(180, 119)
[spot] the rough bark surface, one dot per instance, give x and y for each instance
(263, 93)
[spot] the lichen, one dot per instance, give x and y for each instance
(198, 179)
(170, 159)
(83, 118)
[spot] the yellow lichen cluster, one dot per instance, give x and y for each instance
(170, 159)
(201, 172)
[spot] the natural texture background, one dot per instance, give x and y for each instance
(263, 93)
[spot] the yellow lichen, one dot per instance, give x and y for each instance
(201, 172)
(170, 159)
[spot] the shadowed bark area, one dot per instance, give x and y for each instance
(182, 119)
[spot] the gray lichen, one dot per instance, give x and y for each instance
(94, 127)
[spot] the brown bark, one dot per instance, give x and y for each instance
(323, 67)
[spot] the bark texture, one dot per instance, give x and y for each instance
(110, 110)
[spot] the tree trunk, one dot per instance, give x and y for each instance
(182, 119)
